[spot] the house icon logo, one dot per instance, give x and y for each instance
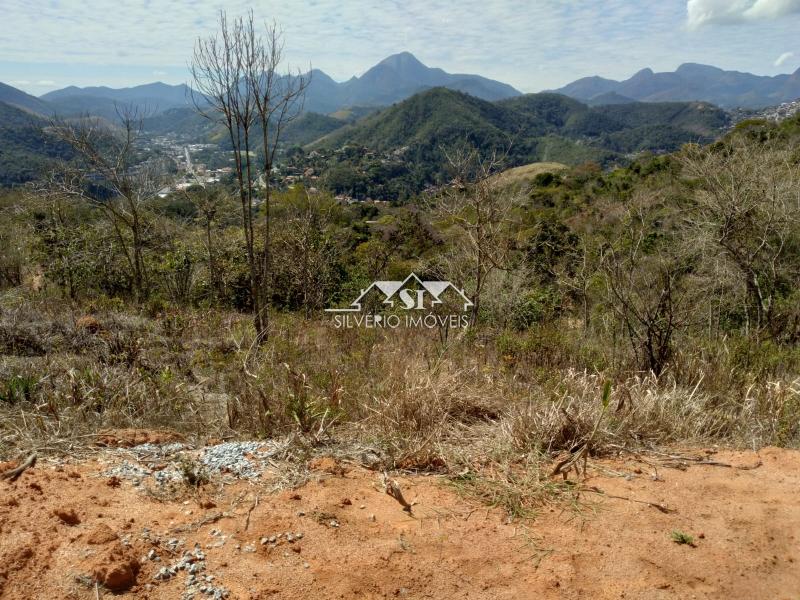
(412, 301)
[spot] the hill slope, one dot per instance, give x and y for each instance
(24, 148)
(19, 99)
(538, 127)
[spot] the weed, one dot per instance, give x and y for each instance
(682, 538)
(18, 388)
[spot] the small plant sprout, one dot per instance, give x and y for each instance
(679, 537)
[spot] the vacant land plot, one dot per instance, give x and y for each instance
(700, 524)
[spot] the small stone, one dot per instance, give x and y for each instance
(306, 565)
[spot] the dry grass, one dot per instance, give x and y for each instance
(526, 173)
(405, 399)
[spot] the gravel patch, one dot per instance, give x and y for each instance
(162, 462)
(243, 459)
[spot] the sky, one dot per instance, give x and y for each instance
(531, 44)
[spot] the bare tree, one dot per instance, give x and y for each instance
(648, 283)
(239, 86)
(480, 211)
(746, 211)
(113, 175)
(59, 232)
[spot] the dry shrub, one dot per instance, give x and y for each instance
(24, 331)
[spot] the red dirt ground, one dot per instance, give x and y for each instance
(61, 530)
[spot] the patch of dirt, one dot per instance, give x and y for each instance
(128, 438)
(114, 567)
(240, 540)
(102, 534)
(327, 464)
(68, 516)
(8, 465)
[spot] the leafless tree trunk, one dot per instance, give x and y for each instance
(578, 277)
(114, 177)
(209, 202)
(236, 75)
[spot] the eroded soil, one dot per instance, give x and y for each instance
(66, 531)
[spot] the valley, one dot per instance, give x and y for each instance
(604, 125)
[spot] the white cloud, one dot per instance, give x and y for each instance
(532, 45)
(503, 39)
(706, 12)
(45, 82)
(783, 58)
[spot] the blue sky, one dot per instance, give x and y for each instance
(533, 44)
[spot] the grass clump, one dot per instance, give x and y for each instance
(681, 538)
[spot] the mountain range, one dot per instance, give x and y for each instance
(19, 99)
(103, 101)
(690, 81)
(401, 103)
(394, 79)
(391, 80)
(402, 75)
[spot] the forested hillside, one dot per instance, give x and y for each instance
(25, 148)
(442, 117)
